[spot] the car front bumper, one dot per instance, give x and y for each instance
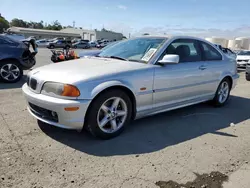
(242, 64)
(42, 106)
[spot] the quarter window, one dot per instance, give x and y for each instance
(187, 49)
(210, 53)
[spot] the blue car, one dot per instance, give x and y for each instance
(15, 57)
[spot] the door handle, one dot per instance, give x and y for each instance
(202, 67)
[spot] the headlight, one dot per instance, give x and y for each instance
(53, 88)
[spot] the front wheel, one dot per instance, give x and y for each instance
(10, 71)
(247, 76)
(222, 93)
(109, 114)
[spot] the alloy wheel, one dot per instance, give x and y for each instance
(112, 115)
(223, 92)
(10, 72)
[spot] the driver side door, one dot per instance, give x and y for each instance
(176, 85)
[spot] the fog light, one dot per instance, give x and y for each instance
(54, 114)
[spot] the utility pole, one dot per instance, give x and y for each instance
(74, 24)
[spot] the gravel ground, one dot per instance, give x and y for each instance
(173, 146)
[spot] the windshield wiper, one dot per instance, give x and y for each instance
(113, 57)
(116, 57)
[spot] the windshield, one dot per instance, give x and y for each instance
(109, 45)
(138, 49)
(244, 53)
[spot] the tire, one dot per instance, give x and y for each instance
(75, 47)
(221, 97)
(100, 112)
(248, 77)
(51, 46)
(10, 71)
(67, 47)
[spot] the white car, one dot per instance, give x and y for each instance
(42, 42)
(243, 58)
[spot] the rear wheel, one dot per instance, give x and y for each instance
(247, 76)
(51, 46)
(10, 71)
(222, 93)
(109, 114)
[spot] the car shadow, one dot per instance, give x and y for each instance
(160, 131)
(18, 84)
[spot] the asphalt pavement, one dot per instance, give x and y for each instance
(172, 148)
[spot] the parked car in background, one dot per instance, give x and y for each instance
(59, 44)
(95, 52)
(229, 53)
(81, 44)
(153, 75)
(226, 51)
(102, 45)
(42, 42)
(15, 56)
(243, 58)
(85, 40)
(247, 74)
(93, 44)
(75, 40)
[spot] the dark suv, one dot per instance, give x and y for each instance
(15, 57)
(66, 44)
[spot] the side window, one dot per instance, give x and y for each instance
(187, 49)
(210, 53)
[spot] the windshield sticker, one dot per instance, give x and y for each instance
(149, 54)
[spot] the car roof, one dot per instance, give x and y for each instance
(173, 37)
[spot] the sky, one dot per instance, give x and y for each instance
(227, 18)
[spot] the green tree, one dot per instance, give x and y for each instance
(146, 34)
(4, 24)
(55, 25)
(18, 23)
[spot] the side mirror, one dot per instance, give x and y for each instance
(169, 59)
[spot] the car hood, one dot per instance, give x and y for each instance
(89, 53)
(243, 57)
(84, 69)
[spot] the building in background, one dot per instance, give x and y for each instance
(234, 44)
(216, 40)
(93, 35)
(245, 42)
(240, 43)
(70, 33)
(83, 33)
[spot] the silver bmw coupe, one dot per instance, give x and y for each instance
(132, 79)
